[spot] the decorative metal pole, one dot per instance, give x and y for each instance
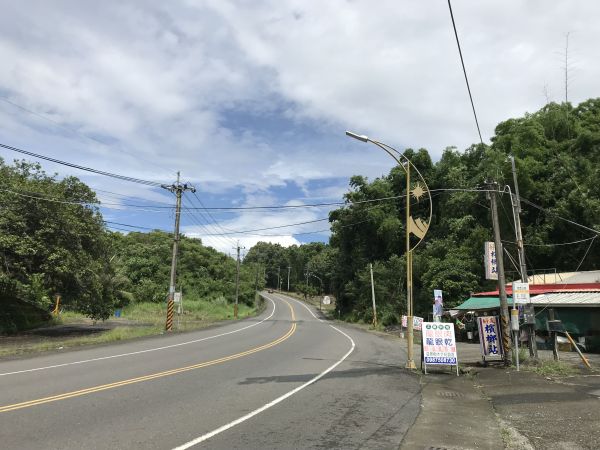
(417, 227)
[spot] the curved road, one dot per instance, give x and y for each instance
(285, 379)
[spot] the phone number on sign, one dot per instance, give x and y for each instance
(431, 360)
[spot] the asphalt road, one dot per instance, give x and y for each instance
(282, 380)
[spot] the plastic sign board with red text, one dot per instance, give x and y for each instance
(439, 345)
(417, 323)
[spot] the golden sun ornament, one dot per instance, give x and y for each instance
(418, 191)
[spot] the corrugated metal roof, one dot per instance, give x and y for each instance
(568, 299)
(590, 276)
(556, 299)
(536, 289)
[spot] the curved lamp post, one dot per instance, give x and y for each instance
(310, 274)
(417, 227)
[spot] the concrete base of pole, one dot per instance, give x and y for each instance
(410, 364)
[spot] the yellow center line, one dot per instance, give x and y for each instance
(153, 376)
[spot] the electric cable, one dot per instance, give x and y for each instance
(86, 169)
(462, 61)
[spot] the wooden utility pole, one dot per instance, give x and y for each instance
(504, 317)
(373, 296)
(178, 189)
(237, 281)
(522, 261)
(289, 269)
(256, 280)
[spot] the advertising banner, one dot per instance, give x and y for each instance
(417, 323)
(439, 344)
(490, 338)
(438, 305)
(491, 264)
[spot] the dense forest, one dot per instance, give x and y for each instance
(53, 239)
(557, 154)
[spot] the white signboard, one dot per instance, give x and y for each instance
(177, 297)
(439, 344)
(491, 264)
(520, 293)
(326, 300)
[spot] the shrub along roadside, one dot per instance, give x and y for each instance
(137, 320)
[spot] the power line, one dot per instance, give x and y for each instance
(576, 270)
(196, 221)
(563, 243)
(70, 130)
(309, 205)
(209, 214)
(37, 196)
(465, 71)
(204, 223)
(118, 195)
(131, 226)
(119, 228)
(271, 228)
(524, 200)
(87, 169)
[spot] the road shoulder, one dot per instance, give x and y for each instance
(454, 415)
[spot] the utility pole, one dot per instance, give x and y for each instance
(178, 189)
(279, 278)
(256, 280)
(373, 296)
(516, 204)
(237, 282)
(306, 291)
(289, 270)
(504, 318)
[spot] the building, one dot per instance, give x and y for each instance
(573, 298)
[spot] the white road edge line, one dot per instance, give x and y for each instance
(226, 427)
(307, 308)
(143, 351)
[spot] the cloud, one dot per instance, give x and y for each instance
(248, 99)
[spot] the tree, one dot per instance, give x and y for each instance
(52, 240)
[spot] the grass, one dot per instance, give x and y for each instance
(554, 368)
(137, 320)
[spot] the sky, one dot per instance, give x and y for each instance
(250, 100)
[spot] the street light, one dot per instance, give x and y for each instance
(321, 288)
(417, 227)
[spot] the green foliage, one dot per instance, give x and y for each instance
(557, 153)
(50, 247)
(268, 260)
(142, 263)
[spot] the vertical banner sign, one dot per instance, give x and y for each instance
(439, 344)
(417, 322)
(438, 305)
(520, 293)
(490, 339)
(491, 264)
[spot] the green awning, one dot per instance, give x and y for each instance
(479, 303)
